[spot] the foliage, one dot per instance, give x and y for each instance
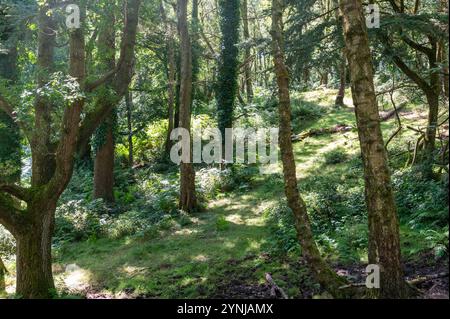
(336, 156)
(422, 203)
(283, 239)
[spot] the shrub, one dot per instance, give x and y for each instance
(306, 111)
(79, 220)
(283, 235)
(336, 156)
(421, 203)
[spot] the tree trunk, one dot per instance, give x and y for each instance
(34, 260)
(248, 65)
(227, 84)
(104, 163)
(2, 278)
(188, 200)
(430, 137)
(105, 144)
(323, 274)
(342, 82)
(171, 77)
(129, 106)
(384, 239)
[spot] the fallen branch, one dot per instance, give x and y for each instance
(275, 287)
(390, 114)
(421, 280)
(316, 132)
(413, 282)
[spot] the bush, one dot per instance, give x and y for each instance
(283, 235)
(306, 111)
(336, 156)
(79, 220)
(421, 203)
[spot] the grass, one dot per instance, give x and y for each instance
(225, 242)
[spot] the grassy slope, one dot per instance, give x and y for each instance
(220, 247)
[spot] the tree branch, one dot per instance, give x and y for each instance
(89, 87)
(16, 191)
(7, 108)
(417, 46)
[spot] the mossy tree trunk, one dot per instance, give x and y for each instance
(322, 272)
(384, 239)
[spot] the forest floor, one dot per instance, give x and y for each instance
(221, 252)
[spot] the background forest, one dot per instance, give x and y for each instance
(91, 206)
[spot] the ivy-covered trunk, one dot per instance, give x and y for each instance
(227, 82)
(384, 238)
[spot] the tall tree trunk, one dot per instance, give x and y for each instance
(432, 95)
(171, 77)
(129, 106)
(227, 84)
(322, 272)
(247, 65)
(188, 200)
(384, 239)
(105, 144)
(444, 53)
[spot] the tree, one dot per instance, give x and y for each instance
(171, 76)
(104, 139)
(227, 84)
(419, 34)
(53, 151)
(322, 272)
(247, 60)
(384, 238)
(188, 199)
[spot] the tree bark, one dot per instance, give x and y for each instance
(129, 106)
(34, 260)
(104, 162)
(384, 239)
(105, 146)
(188, 200)
(342, 81)
(322, 272)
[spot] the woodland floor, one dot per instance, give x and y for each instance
(219, 255)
